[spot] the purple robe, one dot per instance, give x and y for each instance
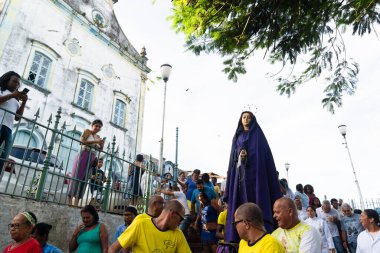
(254, 181)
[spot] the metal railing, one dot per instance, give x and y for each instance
(40, 167)
(371, 203)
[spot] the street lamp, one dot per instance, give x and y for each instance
(287, 165)
(343, 131)
(165, 73)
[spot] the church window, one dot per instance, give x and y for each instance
(40, 69)
(119, 113)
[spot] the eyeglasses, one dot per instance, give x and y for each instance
(15, 225)
(180, 216)
(236, 222)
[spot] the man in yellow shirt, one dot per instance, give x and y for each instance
(249, 224)
(296, 236)
(159, 234)
(222, 219)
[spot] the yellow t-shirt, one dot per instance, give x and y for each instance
(222, 220)
(301, 238)
(142, 216)
(216, 189)
(142, 236)
(266, 244)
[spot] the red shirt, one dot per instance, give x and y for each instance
(29, 246)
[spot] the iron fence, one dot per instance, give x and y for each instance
(370, 203)
(43, 170)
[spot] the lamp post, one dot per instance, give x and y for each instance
(165, 73)
(287, 165)
(343, 131)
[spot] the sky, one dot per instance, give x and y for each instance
(206, 107)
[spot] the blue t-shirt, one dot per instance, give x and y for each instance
(208, 184)
(120, 229)
(51, 249)
(208, 191)
(191, 186)
(208, 214)
(352, 226)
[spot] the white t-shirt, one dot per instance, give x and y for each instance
(325, 216)
(181, 197)
(321, 226)
(10, 105)
(368, 243)
(302, 215)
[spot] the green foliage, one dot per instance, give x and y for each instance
(287, 30)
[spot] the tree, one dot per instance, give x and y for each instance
(288, 31)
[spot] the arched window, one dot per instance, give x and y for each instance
(26, 138)
(85, 92)
(119, 113)
(120, 109)
(40, 69)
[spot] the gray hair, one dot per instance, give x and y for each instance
(326, 203)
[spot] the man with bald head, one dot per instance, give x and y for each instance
(155, 207)
(249, 224)
(295, 235)
(159, 234)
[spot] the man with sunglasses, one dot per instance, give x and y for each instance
(159, 234)
(351, 228)
(249, 224)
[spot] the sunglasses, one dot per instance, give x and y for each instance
(234, 223)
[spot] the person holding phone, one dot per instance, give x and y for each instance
(90, 236)
(10, 110)
(91, 144)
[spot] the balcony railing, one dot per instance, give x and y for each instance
(40, 167)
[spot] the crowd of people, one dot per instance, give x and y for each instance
(300, 226)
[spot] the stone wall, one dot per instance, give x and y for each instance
(64, 219)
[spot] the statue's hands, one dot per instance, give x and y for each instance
(243, 154)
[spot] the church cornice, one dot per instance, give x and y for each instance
(123, 49)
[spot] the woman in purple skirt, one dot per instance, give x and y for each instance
(91, 142)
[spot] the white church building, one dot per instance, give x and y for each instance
(74, 55)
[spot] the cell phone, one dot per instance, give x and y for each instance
(104, 138)
(25, 90)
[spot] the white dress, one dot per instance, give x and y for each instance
(321, 226)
